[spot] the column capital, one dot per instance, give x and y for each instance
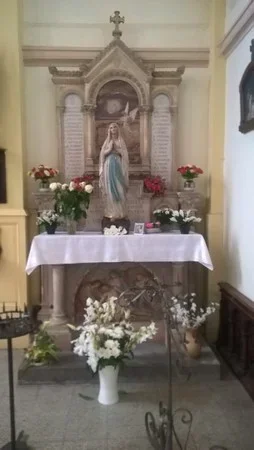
(88, 108)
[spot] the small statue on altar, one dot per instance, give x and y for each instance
(114, 178)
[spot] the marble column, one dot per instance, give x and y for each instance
(58, 314)
(88, 111)
(145, 111)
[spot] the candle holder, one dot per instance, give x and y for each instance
(16, 323)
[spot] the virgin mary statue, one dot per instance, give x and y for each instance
(113, 174)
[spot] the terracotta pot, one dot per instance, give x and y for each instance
(192, 343)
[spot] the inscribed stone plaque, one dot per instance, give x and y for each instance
(74, 161)
(161, 158)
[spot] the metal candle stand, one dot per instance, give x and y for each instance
(13, 324)
(163, 435)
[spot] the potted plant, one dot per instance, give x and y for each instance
(163, 215)
(154, 185)
(184, 219)
(107, 338)
(186, 312)
(72, 201)
(43, 349)
(189, 173)
(49, 220)
(44, 174)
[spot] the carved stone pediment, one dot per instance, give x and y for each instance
(118, 54)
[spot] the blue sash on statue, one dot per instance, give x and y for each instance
(115, 176)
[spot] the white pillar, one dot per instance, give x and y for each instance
(58, 314)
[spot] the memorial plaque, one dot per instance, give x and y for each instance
(74, 158)
(161, 157)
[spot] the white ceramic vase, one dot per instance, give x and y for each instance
(108, 377)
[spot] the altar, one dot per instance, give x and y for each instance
(142, 101)
(72, 259)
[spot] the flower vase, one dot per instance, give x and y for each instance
(165, 228)
(108, 377)
(184, 228)
(44, 186)
(71, 226)
(50, 229)
(189, 185)
(192, 343)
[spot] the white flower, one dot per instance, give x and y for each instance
(82, 184)
(71, 186)
(89, 301)
(46, 172)
(53, 186)
(89, 188)
(64, 187)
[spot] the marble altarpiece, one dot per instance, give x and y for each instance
(118, 87)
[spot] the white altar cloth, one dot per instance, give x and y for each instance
(82, 248)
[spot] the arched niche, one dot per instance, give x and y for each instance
(121, 90)
(117, 101)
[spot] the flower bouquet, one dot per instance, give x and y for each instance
(49, 219)
(154, 185)
(114, 231)
(107, 338)
(163, 215)
(184, 219)
(44, 174)
(72, 201)
(43, 349)
(186, 312)
(188, 173)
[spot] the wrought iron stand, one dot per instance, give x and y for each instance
(15, 323)
(164, 435)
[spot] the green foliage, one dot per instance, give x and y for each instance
(72, 204)
(43, 349)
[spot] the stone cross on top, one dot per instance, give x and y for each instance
(116, 19)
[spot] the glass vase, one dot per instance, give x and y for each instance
(44, 186)
(71, 226)
(189, 185)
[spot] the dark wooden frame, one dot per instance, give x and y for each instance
(3, 193)
(236, 334)
(246, 125)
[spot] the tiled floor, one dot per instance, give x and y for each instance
(59, 418)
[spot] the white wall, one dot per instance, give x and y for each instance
(239, 180)
(85, 23)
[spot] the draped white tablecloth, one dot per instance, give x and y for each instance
(82, 248)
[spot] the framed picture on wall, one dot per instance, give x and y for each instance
(3, 196)
(246, 89)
